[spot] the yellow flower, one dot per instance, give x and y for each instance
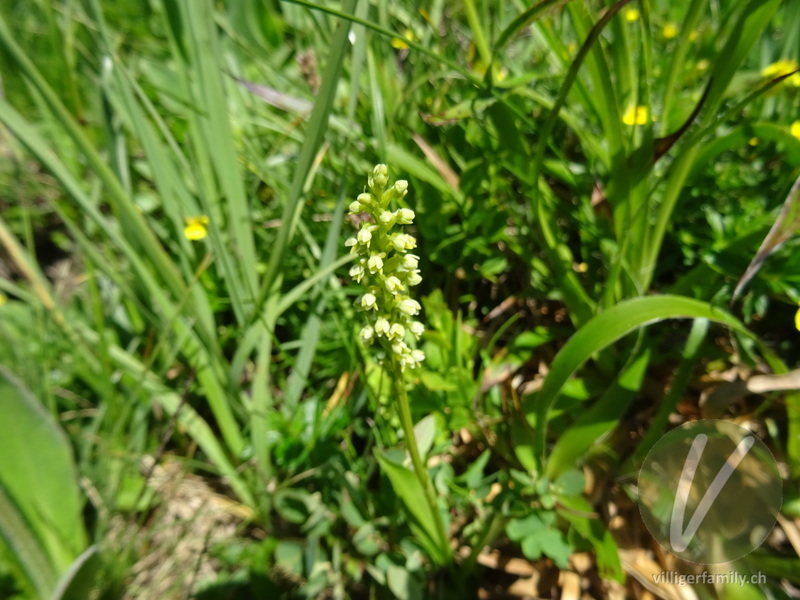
(635, 115)
(797, 319)
(400, 43)
(670, 31)
(783, 67)
(631, 15)
(195, 228)
(703, 64)
(794, 129)
(3, 298)
(753, 141)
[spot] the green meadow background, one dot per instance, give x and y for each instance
(187, 408)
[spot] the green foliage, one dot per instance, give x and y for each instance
(41, 503)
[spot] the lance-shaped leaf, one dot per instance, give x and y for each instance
(784, 228)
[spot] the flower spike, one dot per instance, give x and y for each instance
(386, 271)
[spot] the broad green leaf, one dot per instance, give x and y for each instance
(79, 581)
(402, 583)
(549, 542)
(436, 383)
(289, 556)
(599, 333)
(425, 433)
(39, 480)
(659, 422)
(22, 540)
(570, 483)
(410, 491)
(601, 418)
(518, 529)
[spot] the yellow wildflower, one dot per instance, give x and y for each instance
(753, 141)
(635, 115)
(3, 298)
(794, 129)
(670, 31)
(195, 228)
(631, 15)
(783, 67)
(703, 64)
(797, 319)
(400, 43)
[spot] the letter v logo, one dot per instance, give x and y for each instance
(679, 538)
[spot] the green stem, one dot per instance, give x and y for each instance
(477, 33)
(407, 422)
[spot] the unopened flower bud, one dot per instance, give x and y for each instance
(379, 177)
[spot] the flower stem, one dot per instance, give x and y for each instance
(407, 422)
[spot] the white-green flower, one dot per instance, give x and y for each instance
(386, 270)
(367, 334)
(410, 262)
(393, 285)
(382, 326)
(409, 306)
(403, 241)
(357, 272)
(405, 216)
(375, 263)
(369, 301)
(364, 236)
